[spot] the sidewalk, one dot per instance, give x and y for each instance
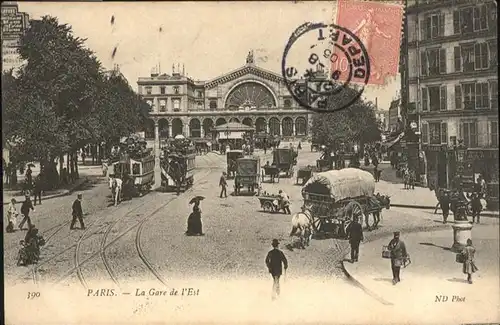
(85, 173)
(433, 272)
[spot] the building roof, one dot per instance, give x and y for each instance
(233, 126)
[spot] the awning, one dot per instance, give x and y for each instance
(393, 141)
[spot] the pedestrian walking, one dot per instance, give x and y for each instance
(25, 210)
(444, 203)
(223, 184)
(29, 178)
(398, 256)
(469, 267)
(37, 192)
(77, 213)
(476, 206)
(11, 216)
(483, 187)
(194, 224)
(355, 235)
(275, 261)
(285, 202)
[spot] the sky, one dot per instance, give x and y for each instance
(208, 38)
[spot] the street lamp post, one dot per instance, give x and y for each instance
(462, 229)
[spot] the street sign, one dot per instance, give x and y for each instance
(14, 23)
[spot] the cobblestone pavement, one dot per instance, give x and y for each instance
(141, 243)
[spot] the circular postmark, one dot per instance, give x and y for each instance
(325, 67)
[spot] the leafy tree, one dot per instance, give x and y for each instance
(354, 124)
(62, 99)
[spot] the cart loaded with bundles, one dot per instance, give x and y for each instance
(177, 163)
(336, 196)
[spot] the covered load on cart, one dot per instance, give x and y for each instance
(336, 196)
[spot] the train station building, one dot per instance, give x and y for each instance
(248, 95)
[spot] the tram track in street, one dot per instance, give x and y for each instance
(104, 245)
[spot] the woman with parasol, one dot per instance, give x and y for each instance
(194, 226)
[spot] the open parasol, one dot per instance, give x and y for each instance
(179, 136)
(31, 165)
(196, 199)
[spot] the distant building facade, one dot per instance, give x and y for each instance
(383, 118)
(451, 89)
(249, 95)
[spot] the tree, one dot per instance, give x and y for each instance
(354, 124)
(62, 99)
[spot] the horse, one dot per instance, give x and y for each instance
(302, 226)
(115, 185)
(383, 200)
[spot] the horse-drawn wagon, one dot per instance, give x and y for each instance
(137, 174)
(335, 196)
(177, 169)
(231, 157)
(247, 175)
(305, 173)
(284, 159)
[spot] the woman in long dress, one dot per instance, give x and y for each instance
(469, 265)
(194, 225)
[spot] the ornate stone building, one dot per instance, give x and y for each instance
(249, 95)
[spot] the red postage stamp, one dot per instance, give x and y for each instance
(378, 25)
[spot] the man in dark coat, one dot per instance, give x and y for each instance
(223, 184)
(25, 211)
(38, 190)
(476, 207)
(355, 236)
(398, 256)
(77, 213)
(275, 259)
(444, 203)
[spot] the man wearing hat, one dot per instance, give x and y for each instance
(355, 236)
(274, 260)
(223, 184)
(25, 210)
(398, 256)
(77, 212)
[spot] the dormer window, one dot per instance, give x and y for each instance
(176, 89)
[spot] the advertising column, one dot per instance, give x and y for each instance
(14, 23)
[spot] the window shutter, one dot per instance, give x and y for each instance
(457, 57)
(441, 24)
(423, 29)
(442, 61)
(456, 22)
(423, 63)
(477, 56)
(428, 25)
(478, 95)
(424, 100)
(458, 97)
(444, 133)
(425, 132)
(442, 104)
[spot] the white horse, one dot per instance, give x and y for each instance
(302, 226)
(115, 185)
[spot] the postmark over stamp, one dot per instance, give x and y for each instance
(378, 26)
(307, 67)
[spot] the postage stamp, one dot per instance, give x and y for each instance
(308, 67)
(378, 26)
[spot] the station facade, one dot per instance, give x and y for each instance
(249, 95)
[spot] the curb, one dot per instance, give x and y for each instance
(378, 237)
(53, 196)
(427, 207)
